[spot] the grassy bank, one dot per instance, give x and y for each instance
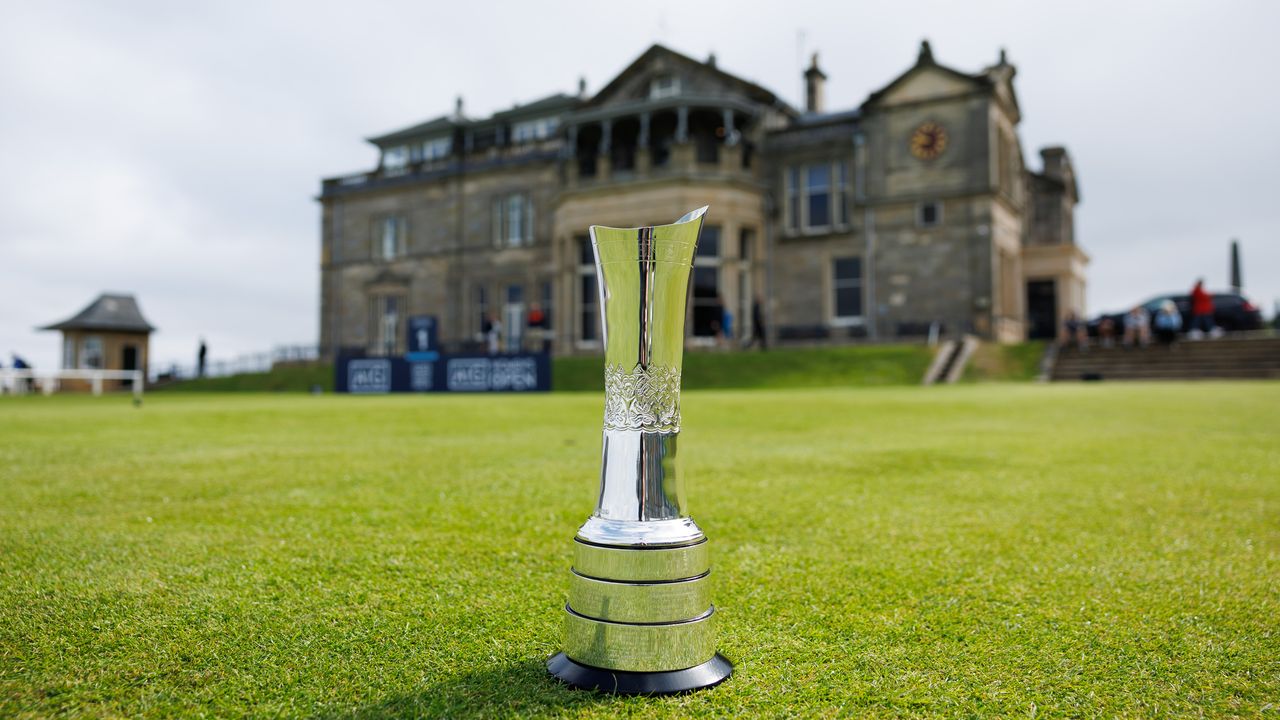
(854, 365)
(863, 365)
(966, 551)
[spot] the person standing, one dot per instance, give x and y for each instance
(26, 384)
(1201, 310)
(1137, 327)
(1168, 322)
(493, 333)
(757, 326)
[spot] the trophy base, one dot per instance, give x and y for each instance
(621, 682)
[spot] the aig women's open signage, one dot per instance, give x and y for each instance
(424, 369)
(639, 617)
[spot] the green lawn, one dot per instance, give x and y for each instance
(976, 550)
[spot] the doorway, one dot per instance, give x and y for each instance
(1042, 309)
(129, 361)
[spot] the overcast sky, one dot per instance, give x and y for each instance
(174, 150)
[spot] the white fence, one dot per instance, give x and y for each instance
(20, 382)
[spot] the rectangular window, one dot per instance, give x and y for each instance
(512, 220)
(846, 286)
(664, 86)
(389, 237)
(395, 158)
(68, 353)
(746, 239)
(842, 193)
(709, 245)
(387, 312)
(817, 190)
(91, 353)
(530, 130)
(436, 149)
(588, 293)
(515, 220)
(793, 199)
(930, 214)
(483, 321)
(708, 306)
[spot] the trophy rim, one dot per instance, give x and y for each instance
(691, 216)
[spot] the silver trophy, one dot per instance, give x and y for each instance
(639, 617)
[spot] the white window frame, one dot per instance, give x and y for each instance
(716, 264)
(91, 348)
(841, 208)
(431, 150)
(835, 284)
(68, 353)
(395, 158)
(508, 234)
(937, 215)
(586, 269)
(535, 129)
(388, 326)
(390, 237)
(805, 193)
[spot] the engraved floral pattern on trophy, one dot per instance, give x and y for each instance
(646, 399)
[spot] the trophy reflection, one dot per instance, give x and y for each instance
(639, 617)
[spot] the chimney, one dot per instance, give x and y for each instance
(926, 54)
(1055, 161)
(582, 86)
(711, 59)
(814, 82)
(457, 108)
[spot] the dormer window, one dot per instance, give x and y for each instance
(431, 150)
(537, 129)
(394, 158)
(664, 86)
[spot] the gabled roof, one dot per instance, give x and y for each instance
(109, 312)
(436, 125)
(446, 124)
(639, 65)
(925, 61)
(548, 104)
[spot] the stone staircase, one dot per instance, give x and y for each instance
(1226, 358)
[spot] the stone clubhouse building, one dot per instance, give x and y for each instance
(913, 209)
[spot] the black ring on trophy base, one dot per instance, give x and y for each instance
(623, 682)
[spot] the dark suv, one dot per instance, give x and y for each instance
(1231, 312)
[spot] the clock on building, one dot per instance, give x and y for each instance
(928, 141)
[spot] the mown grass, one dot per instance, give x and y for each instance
(976, 550)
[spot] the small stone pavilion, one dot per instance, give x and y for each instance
(109, 334)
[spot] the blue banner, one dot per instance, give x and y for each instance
(423, 338)
(525, 372)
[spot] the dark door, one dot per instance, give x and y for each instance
(1042, 309)
(129, 361)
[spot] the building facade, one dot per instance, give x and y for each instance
(910, 212)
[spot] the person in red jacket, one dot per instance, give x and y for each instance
(1201, 308)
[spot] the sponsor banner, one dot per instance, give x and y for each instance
(443, 373)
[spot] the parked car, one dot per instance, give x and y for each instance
(1231, 312)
